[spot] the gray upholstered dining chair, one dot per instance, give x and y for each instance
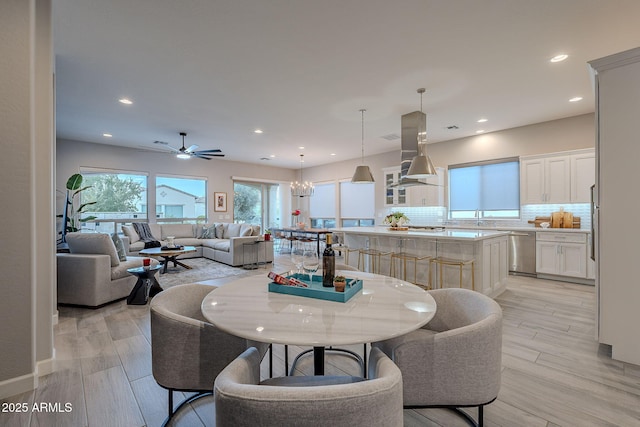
(187, 352)
(242, 400)
(455, 360)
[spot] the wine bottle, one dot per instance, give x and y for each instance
(328, 264)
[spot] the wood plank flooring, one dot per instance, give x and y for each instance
(554, 372)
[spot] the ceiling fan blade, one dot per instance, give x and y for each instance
(199, 156)
(192, 148)
(210, 151)
(199, 153)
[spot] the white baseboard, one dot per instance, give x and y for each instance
(45, 367)
(18, 385)
(54, 320)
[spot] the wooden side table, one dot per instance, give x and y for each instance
(146, 286)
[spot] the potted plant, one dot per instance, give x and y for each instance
(267, 235)
(71, 215)
(339, 283)
(396, 219)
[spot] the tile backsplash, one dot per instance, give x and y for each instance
(438, 215)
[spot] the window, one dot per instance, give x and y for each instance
(256, 203)
(357, 204)
(488, 189)
(120, 197)
(183, 199)
(322, 206)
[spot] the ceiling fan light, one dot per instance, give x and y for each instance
(183, 156)
(421, 167)
(362, 175)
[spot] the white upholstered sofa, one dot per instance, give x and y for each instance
(219, 241)
(93, 273)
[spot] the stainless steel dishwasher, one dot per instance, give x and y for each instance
(522, 253)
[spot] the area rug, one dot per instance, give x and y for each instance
(201, 269)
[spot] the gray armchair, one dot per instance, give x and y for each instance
(455, 360)
(242, 400)
(187, 352)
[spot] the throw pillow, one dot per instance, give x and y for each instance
(246, 230)
(122, 253)
(129, 231)
(219, 230)
(208, 232)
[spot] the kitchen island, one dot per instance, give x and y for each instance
(488, 249)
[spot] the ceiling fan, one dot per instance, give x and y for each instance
(191, 151)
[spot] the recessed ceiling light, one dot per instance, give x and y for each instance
(576, 99)
(301, 148)
(559, 58)
(482, 120)
(107, 135)
(257, 131)
(480, 131)
(125, 101)
(332, 154)
(273, 155)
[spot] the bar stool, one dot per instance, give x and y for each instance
(373, 253)
(453, 256)
(407, 252)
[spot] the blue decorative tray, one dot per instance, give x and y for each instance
(316, 290)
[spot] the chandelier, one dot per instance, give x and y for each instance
(302, 188)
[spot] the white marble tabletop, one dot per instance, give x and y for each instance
(385, 308)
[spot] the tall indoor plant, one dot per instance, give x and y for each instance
(71, 214)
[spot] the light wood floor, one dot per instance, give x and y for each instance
(554, 372)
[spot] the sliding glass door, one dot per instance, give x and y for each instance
(256, 203)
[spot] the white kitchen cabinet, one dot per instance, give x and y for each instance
(561, 254)
(583, 176)
(545, 180)
(494, 265)
(393, 196)
(557, 178)
(428, 195)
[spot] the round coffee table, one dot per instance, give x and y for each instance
(169, 255)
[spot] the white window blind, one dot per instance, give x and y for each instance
(357, 200)
(486, 186)
(323, 202)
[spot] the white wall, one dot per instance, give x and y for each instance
(72, 155)
(28, 249)
(558, 135)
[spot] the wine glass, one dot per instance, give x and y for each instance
(310, 262)
(296, 258)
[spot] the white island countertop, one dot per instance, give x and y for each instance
(449, 234)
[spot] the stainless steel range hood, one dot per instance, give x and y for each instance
(411, 125)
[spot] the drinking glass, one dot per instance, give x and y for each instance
(296, 258)
(310, 262)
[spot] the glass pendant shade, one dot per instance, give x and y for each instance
(362, 175)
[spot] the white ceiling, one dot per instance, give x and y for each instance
(302, 69)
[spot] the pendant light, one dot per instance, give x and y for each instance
(362, 174)
(421, 165)
(302, 188)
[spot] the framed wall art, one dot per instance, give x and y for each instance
(220, 202)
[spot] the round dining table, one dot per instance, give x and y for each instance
(385, 308)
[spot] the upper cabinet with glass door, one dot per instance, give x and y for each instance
(393, 196)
